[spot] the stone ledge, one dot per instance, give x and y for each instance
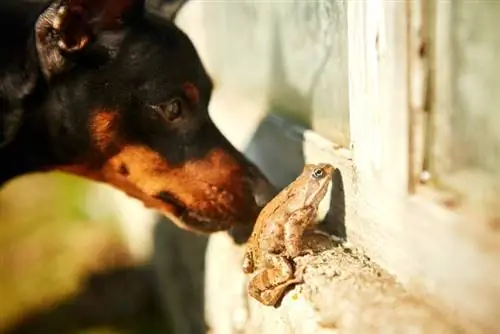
(343, 292)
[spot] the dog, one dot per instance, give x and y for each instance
(105, 90)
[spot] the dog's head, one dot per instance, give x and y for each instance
(130, 97)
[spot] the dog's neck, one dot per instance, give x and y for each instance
(28, 152)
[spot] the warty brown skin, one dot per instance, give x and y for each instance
(277, 237)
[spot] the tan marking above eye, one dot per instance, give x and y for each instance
(192, 92)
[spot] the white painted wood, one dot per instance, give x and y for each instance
(419, 79)
(421, 243)
(435, 252)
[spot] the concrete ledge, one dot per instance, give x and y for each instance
(343, 292)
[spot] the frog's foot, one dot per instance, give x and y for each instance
(306, 251)
(248, 265)
(316, 232)
(279, 292)
(274, 296)
(299, 273)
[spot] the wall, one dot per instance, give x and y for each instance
(386, 95)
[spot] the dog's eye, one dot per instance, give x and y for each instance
(170, 110)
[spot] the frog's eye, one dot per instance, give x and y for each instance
(318, 173)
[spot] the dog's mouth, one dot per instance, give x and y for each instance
(208, 220)
(179, 208)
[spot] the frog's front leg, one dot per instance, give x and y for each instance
(248, 265)
(298, 222)
(269, 283)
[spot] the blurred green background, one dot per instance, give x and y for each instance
(64, 271)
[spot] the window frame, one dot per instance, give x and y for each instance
(407, 228)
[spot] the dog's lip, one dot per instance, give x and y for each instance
(172, 200)
(181, 210)
(215, 221)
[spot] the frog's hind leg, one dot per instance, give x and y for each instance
(277, 268)
(276, 294)
(270, 283)
(248, 264)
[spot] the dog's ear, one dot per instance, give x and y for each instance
(68, 27)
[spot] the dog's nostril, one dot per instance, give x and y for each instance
(123, 170)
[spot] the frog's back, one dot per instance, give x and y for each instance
(267, 213)
(251, 249)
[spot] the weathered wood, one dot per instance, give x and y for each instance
(435, 251)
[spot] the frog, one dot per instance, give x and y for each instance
(278, 235)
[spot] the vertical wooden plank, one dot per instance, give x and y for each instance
(419, 75)
(378, 93)
(378, 96)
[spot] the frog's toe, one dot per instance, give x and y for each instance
(248, 265)
(307, 251)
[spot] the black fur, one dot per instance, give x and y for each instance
(131, 67)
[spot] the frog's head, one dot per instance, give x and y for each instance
(317, 178)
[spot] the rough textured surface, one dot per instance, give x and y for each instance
(344, 292)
